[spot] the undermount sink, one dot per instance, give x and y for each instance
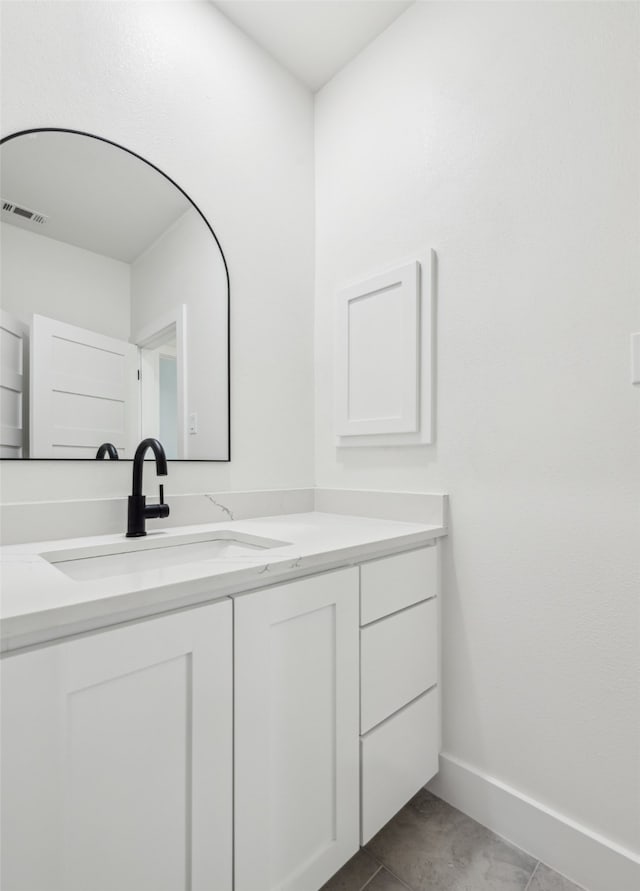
(155, 551)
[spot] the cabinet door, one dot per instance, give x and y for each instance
(296, 732)
(117, 759)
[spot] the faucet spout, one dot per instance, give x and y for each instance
(107, 448)
(138, 512)
(138, 462)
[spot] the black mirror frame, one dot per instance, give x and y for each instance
(226, 270)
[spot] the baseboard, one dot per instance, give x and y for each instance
(584, 856)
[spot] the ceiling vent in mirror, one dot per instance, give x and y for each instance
(23, 212)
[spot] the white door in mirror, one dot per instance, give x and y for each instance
(14, 336)
(84, 391)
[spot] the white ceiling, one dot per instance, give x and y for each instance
(313, 39)
(96, 196)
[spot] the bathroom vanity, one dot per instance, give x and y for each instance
(243, 720)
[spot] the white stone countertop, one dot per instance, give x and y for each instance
(40, 603)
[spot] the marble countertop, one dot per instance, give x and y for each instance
(40, 603)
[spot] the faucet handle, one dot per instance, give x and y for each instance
(161, 509)
(155, 511)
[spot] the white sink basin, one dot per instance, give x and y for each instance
(156, 551)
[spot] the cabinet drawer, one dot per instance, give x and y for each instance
(398, 758)
(398, 661)
(392, 583)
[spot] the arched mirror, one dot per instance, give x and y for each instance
(114, 305)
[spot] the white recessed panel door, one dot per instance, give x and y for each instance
(117, 759)
(296, 732)
(84, 391)
(377, 357)
(13, 352)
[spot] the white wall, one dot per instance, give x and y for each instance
(180, 85)
(506, 136)
(184, 266)
(64, 282)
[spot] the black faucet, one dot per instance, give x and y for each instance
(138, 511)
(107, 448)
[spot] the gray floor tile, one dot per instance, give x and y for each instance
(354, 874)
(546, 879)
(384, 881)
(434, 847)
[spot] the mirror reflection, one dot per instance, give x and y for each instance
(114, 306)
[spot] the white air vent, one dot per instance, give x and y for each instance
(23, 212)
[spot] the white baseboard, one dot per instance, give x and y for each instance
(584, 856)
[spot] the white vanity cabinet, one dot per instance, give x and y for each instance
(296, 732)
(117, 758)
(249, 744)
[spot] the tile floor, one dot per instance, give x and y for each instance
(431, 846)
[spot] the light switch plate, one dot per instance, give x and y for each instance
(635, 358)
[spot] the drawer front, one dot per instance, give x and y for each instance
(398, 661)
(398, 758)
(392, 583)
